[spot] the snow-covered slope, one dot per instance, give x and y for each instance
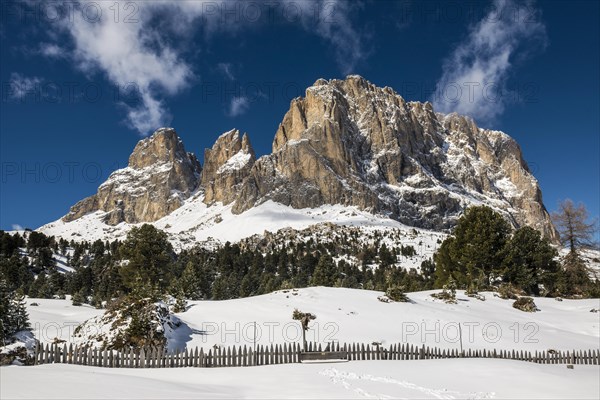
(196, 222)
(428, 379)
(351, 315)
(343, 315)
(57, 319)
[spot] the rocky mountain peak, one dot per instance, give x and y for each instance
(353, 143)
(348, 142)
(159, 177)
(226, 165)
(163, 146)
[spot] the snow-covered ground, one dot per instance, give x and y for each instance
(196, 222)
(345, 315)
(428, 379)
(52, 319)
(352, 315)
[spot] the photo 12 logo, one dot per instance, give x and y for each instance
(35, 90)
(54, 172)
(468, 333)
(69, 12)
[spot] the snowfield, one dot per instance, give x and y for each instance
(426, 379)
(52, 319)
(352, 315)
(343, 315)
(196, 222)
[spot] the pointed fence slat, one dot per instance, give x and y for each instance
(232, 356)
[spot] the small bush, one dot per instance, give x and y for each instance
(525, 304)
(396, 293)
(507, 291)
(78, 298)
(448, 293)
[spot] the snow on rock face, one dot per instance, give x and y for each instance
(226, 165)
(350, 142)
(143, 191)
(347, 143)
(195, 222)
(111, 330)
(237, 162)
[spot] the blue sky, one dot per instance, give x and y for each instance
(80, 86)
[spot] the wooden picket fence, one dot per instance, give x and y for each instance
(244, 356)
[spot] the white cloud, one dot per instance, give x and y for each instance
(330, 19)
(132, 54)
(475, 74)
(141, 45)
(17, 227)
(21, 86)
(238, 106)
(226, 70)
(52, 50)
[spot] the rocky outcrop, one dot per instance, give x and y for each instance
(159, 177)
(346, 142)
(226, 165)
(350, 142)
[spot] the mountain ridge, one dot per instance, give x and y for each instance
(347, 142)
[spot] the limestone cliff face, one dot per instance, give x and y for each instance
(159, 177)
(226, 165)
(346, 142)
(350, 142)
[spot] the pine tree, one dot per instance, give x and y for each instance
(5, 312)
(325, 272)
(474, 249)
(577, 234)
(191, 282)
(529, 261)
(79, 298)
(13, 312)
(20, 317)
(149, 257)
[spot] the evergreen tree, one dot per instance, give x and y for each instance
(149, 257)
(13, 312)
(18, 311)
(474, 249)
(79, 298)
(5, 312)
(325, 272)
(191, 282)
(529, 261)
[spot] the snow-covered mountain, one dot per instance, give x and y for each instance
(349, 152)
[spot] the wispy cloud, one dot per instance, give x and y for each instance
(132, 55)
(475, 74)
(141, 46)
(52, 50)
(227, 70)
(21, 86)
(238, 106)
(331, 20)
(17, 227)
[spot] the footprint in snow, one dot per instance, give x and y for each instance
(342, 378)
